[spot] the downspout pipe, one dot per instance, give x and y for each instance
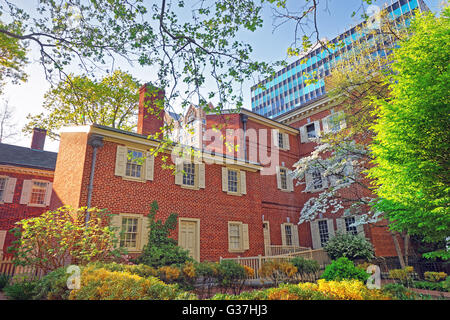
(95, 141)
(244, 119)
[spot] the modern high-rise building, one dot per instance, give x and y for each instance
(289, 88)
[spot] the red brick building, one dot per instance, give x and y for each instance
(26, 176)
(235, 197)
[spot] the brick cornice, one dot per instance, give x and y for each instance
(25, 170)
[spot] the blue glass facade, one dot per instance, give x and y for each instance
(289, 89)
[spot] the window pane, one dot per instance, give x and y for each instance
(348, 225)
(232, 181)
(323, 232)
(288, 232)
(235, 237)
(189, 174)
(38, 192)
(311, 130)
(134, 164)
(2, 187)
(129, 233)
(283, 178)
(317, 179)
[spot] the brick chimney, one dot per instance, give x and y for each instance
(38, 139)
(151, 110)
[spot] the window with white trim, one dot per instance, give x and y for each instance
(323, 232)
(129, 233)
(38, 192)
(235, 236)
(283, 178)
(280, 140)
(189, 174)
(233, 180)
(135, 162)
(311, 131)
(348, 225)
(288, 234)
(317, 182)
(2, 187)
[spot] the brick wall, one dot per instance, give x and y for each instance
(10, 213)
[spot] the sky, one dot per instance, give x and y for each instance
(268, 45)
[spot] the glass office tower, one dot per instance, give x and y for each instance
(286, 91)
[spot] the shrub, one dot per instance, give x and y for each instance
(20, 288)
(169, 274)
(4, 280)
(351, 246)
(141, 270)
(446, 284)
(403, 275)
(398, 291)
(53, 286)
(278, 271)
(435, 276)
(101, 284)
(345, 290)
(426, 285)
(322, 290)
(48, 241)
(344, 269)
(231, 275)
(208, 273)
(161, 250)
(305, 267)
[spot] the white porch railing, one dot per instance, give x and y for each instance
(256, 262)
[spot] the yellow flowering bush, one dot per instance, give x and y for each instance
(102, 284)
(322, 290)
(404, 275)
(435, 276)
(344, 290)
(169, 274)
(278, 271)
(189, 270)
(249, 272)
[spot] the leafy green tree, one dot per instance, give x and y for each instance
(412, 144)
(111, 101)
(161, 250)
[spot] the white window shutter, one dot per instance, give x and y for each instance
(283, 234)
(243, 182)
(2, 242)
(290, 181)
(178, 171)
(308, 182)
(295, 233)
(303, 135)
(145, 228)
(201, 176)
(317, 128)
(324, 180)
(116, 223)
(229, 237)
(315, 236)
(287, 145)
(278, 177)
(121, 161)
(326, 125)
(245, 237)
(26, 191)
(224, 179)
(8, 196)
(340, 223)
(48, 193)
(360, 229)
(275, 137)
(149, 166)
(331, 231)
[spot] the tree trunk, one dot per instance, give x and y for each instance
(398, 249)
(406, 238)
